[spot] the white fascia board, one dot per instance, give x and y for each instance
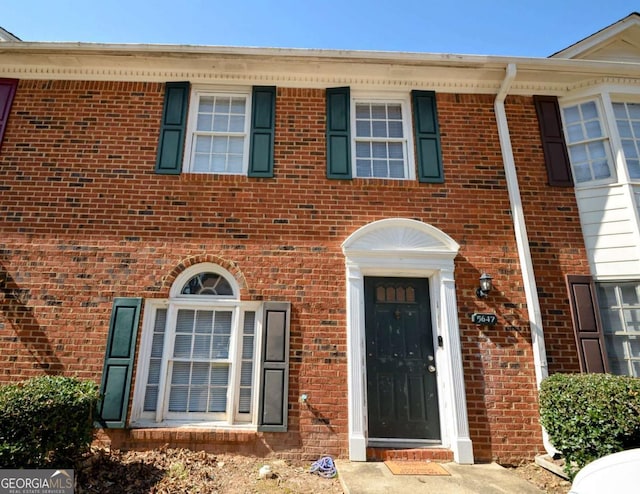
(302, 67)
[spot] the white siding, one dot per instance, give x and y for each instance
(610, 231)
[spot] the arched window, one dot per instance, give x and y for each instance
(200, 358)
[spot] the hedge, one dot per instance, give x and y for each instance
(46, 422)
(588, 416)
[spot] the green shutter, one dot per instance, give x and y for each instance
(274, 382)
(262, 131)
(338, 133)
(118, 362)
(425, 120)
(173, 128)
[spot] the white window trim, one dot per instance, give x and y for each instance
(198, 91)
(407, 128)
(607, 139)
(232, 418)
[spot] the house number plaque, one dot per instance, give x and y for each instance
(486, 319)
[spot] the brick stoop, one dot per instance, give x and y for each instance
(433, 454)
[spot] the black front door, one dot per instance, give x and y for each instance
(402, 397)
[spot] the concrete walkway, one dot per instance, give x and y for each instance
(376, 478)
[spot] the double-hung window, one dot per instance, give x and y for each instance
(627, 117)
(588, 144)
(217, 132)
(381, 133)
(198, 353)
(620, 310)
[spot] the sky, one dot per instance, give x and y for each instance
(528, 28)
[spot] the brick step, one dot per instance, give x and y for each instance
(433, 454)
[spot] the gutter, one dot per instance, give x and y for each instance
(522, 240)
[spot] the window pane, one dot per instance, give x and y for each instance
(198, 399)
(630, 294)
(624, 129)
(615, 347)
(363, 111)
(632, 319)
(205, 122)
(380, 169)
(178, 399)
(244, 403)
(151, 399)
(206, 284)
(589, 110)
(238, 106)
(619, 110)
(634, 346)
(601, 170)
(200, 373)
(180, 373)
(575, 133)
(396, 169)
(395, 112)
(593, 129)
(363, 128)
(218, 400)
(611, 321)
(634, 168)
(582, 173)
(379, 112)
(182, 346)
(396, 150)
(634, 110)
(363, 168)
(571, 114)
(363, 149)
(379, 129)
(154, 371)
(607, 295)
(236, 123)
(395, 129)
(157, 345)
(234, 163)
(379, 149)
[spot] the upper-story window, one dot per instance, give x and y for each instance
(628, 123)
(588, 143)
(381, 139)
(217, 134)
(206, 129)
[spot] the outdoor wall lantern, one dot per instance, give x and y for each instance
(485, 286)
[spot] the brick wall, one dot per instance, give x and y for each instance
(84, 218)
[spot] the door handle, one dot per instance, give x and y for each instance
(432, 368)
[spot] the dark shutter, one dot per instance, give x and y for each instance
(7, 92)
(173, 128)
(427, 132)
(555, 149)
(338, 133)
(586, 324)
(274, 382)
(262, 131)
(118, 362)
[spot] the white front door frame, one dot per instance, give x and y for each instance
(399, 247)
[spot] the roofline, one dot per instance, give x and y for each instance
(123, 49)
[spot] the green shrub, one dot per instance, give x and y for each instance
(46, 422)
(588, 416)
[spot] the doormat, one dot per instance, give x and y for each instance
(415, 468)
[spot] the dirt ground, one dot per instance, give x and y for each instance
(175, 471)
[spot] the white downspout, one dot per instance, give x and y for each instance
(522, 240)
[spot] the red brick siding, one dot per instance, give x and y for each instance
(84, 219)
